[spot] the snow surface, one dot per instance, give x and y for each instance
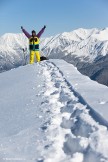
(49, 112)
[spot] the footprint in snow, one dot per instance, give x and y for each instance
(47, 146)
(68, 107)
(45, 126)
(69, 143)
(44, 102)
(81, 128)
(57, 85)
(64, 97)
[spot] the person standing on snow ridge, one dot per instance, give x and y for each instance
(34, 43)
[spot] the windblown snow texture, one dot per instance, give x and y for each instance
(45, 116)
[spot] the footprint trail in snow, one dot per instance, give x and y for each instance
(73, 134)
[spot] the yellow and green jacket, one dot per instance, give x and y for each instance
(34, 43)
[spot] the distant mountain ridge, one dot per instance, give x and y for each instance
(87, 49)
(11, 50)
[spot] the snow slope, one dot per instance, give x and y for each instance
(49, 112)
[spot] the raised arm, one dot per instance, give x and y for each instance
(25, 32)
(41, 32)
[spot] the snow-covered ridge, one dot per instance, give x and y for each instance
(44, 119)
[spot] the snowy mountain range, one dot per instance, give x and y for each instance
(87, 49)
(50, 112)
(11, 50)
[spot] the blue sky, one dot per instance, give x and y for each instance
(57, 15)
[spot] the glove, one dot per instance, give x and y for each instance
(21, 27)
(44, 26)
